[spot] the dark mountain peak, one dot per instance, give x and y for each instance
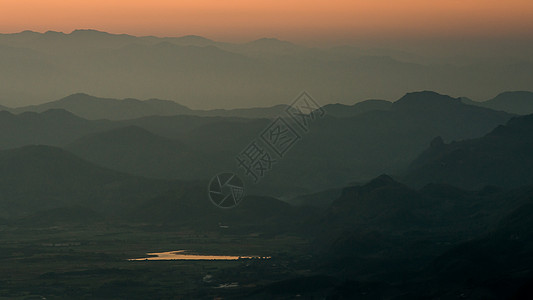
(468, 101)
(509, 94)
(383, 202)
(372, 102)
(343, 110)
(25, 33)
(502, 157)
(59, 113)
(51, 33)
(93, 35)
(89, 32)
(157, 101)
(426, 98)
(522, 126)
(91, 107)
(516, 102)
(526, 120)
(77, 97)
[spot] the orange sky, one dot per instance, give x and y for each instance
(309, 20)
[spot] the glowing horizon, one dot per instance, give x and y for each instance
(240, 20)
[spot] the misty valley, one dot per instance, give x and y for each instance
(275, 171)
(427, 196)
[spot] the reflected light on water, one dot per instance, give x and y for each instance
(180, 255)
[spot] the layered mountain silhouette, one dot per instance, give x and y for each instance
(137, 151)
(87, 182)
(43, 185)
(90, 107)
(455, 224)
(201, 73)
(440, 235)
(35, 178)
(504, 157)
(95, 108)
(342, 111)
(517, 102)
(370, 138)
(52, 127)
(505, 252)
(385, 205)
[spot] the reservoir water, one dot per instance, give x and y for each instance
(182, 255)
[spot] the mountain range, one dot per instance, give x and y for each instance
(39, 184)
(366, 140)
(205, 74)
(36, 178)
(517, 102)
(447, 239)
(452, 219)
(95, 108)
(503, 157)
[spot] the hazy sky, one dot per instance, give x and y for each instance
(309, 21)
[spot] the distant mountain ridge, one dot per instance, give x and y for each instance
(52, 127)
(503, 157)
(487, 233)
(135, 150)
(95, 108)
(515, 102)
(93, 38)
(91, 107)
(33, 178)
(336, 150)
(202, 73)
(424, 100)
(47, 182)
(343, 110)
(369, 217)
(518, 102)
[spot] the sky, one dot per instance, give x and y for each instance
(309, 21)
